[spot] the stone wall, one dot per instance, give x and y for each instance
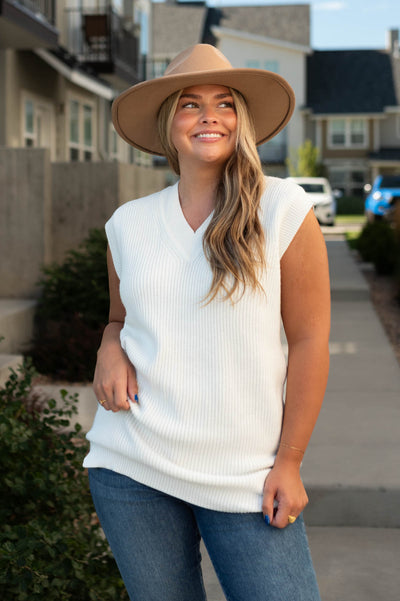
(84, 196)
(47, 209)
(25, 219)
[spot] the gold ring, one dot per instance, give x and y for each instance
(291, 519)
(102, 402)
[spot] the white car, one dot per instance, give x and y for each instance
(319, 190)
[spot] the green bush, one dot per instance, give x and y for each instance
(305, 161)
(379, 245)
(72, 311)
(51, 544)
(350, 205)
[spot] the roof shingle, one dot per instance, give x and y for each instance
(287, 23)
(350, 81)
(175, 27)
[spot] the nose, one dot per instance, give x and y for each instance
(208, 115)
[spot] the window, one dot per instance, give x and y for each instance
(347, 133)
(338, 132)
(157, 68)
(349, 179)
(253, 64)
(390, 181)
(142, 18)
(80, 131)
(38, 128)
(117, 6)
(314, 188)
(357, 133)
(141, 158)
(29, 134)
(113, 149)
(87, 132)
(74, 122)
(275, 150)
(270, 65)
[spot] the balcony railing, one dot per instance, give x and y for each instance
(155, 67)
(41, 8)
(103, 39)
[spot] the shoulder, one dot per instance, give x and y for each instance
(132, 221)
(284, 206)
(281, 199)
(281, 192)
(140, 207)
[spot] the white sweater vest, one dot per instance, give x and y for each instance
(210, 377)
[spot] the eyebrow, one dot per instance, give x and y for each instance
(198, 96)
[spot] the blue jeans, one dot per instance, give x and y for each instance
(155, 539)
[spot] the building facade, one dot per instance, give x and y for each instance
(352, 113)
(61, 65)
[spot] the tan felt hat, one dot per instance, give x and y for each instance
(269, 97)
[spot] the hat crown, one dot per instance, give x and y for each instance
(198, 58)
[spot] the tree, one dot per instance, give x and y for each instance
(305, 161)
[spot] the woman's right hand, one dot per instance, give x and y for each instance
(115, 376)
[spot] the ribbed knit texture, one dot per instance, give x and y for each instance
(210, 377)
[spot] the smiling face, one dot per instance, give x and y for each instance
(204, 125)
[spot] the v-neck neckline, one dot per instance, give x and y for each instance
(188, 242)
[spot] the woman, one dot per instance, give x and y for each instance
(194, 435)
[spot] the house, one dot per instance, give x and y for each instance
(61, 65)
(352, 113)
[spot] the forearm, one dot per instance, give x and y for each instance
(308, 366)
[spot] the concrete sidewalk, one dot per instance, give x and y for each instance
(351, 468)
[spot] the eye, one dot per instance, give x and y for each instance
(226, 104)
(189, 105)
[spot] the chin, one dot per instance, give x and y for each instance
(217, 158)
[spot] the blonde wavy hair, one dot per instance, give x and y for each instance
(234, 242)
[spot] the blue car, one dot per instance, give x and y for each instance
(382, 197)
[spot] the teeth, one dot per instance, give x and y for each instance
(209, 136)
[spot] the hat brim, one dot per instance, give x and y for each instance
(269, 98)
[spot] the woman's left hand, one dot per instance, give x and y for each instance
(284, 494)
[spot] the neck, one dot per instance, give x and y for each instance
(197, 196)
(198, 188)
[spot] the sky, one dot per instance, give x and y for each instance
(347, 24)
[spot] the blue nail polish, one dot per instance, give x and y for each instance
(136, 398)
(267, 520)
